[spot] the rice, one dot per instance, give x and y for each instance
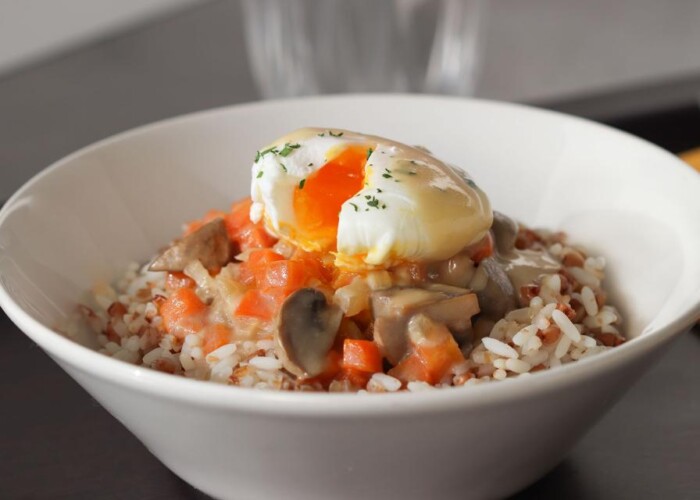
(564, 321)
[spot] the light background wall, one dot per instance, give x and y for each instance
(31, 30)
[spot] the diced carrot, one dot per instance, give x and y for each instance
(252, 271)
(361, 355)
(239, 215)
(263, 303)
(183, 312)
(428, 363)
(276, 295)
(411, 369)
(245, 232)
(481, 250)
(255, 304)
(356, 377)
(439, 359)
(283, 273)
(314, 266)
(343, 278)
(215, 336)
(176, 280)
(254, 236)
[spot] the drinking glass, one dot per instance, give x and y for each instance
(305, 47)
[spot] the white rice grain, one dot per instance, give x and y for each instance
(517, 365)
(533, 344)
(589, 301)
(265, 363)
(419, 386)
(566, 326)
(562, 347)
(523, 335)
(152, 355)
(186, 361)
(584, 277)
(520, 315)
(265, 345)
(388, 382)
(220, 353)
(499, 348)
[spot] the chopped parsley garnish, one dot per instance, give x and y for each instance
(339, 134)
(260, 174)
(387, 174)
(369, 152)
(310, 165)
(354, 206)
(373, 203)
(260, 154)
(283, 167)
(379, 190)
(288, 148)
(322, 134)
(301, 183)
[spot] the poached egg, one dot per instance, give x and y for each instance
(370, 201)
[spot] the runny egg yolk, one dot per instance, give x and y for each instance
(318, 199)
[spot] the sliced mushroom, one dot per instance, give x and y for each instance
(209, 244)
(498, 296)
(306, 329)
(393, 308)
(458, 270)
(505, 232)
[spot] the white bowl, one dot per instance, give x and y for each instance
(87, 216)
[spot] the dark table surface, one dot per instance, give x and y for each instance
(56, 442)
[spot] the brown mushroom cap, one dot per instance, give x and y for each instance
(498, 296)
(209, 244)
(393, 308)
(307, 326)
(505, 232)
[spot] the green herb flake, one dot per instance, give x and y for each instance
(386, 176)
(322, 134)
(369, 152)
(383, 207)
(288, 148)
(354, 206)
(310, 165)
(379, 190)
(339, 134)
(283, 167)
(260, 174)
(472, 184)
(374, 203)
(301, 183)
(260, 154)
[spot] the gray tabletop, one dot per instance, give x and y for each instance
(56, 442)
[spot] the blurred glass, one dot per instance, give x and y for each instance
(303, 47)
